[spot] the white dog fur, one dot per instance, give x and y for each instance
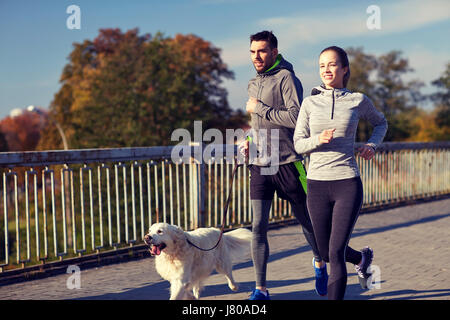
(186, 267)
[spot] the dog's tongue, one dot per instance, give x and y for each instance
(155, 250)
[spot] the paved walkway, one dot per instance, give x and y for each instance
(412, 254)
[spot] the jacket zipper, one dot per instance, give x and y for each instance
(332, 106)
(260, 87)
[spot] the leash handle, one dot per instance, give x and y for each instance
(236, 165)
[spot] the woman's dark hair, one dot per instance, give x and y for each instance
(342, 58)
(265, 36)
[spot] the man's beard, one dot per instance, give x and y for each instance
(266, 67)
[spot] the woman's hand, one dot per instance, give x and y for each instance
(326, 136)
(367, 152)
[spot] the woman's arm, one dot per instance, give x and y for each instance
(377, 119)
(303, 142)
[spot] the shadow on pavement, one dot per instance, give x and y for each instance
(221, 289)
(155, 291)
(401, 225)
(414, 294)
(287, 253)
(160, 290)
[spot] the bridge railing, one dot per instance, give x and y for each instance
(61, 204)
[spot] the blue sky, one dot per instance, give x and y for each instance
(35, 41)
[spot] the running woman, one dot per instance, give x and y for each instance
(326, 129)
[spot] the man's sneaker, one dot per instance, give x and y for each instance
(363, 276)
(321, 279)
(259, 295)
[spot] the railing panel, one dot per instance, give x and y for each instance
(60, 204)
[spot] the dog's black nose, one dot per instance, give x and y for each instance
(148, 239)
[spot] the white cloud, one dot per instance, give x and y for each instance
(429, 64)
(311, 28)
(409, 15)
(236, 52)
(344, 23)
(308, 29)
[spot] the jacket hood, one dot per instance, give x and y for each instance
(280, 63)
(324, 91)
(333, 94)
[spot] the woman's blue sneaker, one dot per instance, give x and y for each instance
(321, 279)
(259, 295)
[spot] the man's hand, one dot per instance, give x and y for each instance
(251, 104)
(243, 148)
(326, 136)
(367, 152)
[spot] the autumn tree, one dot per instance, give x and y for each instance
(442, 104)
(381, 79)
(125, 89)
(21, 132)
(3, 143)
(434, 125)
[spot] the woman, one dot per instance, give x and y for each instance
(326, 128)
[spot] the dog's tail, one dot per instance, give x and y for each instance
(238, 241)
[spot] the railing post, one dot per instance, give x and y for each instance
(197, 188)
(201, 195)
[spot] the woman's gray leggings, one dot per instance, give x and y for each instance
(334, 208)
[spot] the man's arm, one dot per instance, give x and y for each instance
(292, 93)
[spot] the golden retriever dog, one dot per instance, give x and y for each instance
(186, 267)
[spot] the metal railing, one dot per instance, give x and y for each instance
(60, 204)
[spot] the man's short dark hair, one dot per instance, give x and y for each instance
(265, 36)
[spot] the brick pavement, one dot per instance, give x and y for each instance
(411, 246)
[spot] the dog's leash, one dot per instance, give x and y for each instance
(236, 165)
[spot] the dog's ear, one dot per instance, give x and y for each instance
(179, 240)
(178, 234)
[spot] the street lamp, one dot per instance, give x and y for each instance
(57, 125)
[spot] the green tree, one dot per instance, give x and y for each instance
(362, 66)
(442, 99)
(123, 89)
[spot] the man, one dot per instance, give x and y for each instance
(275, 95)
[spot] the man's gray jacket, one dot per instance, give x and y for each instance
(279, 93)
